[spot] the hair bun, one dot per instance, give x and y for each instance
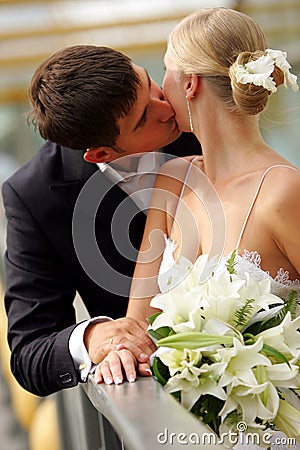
(248, 97)
(254, 75)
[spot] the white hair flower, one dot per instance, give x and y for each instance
(259, 72)
(280, 61)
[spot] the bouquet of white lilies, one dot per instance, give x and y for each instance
(229, 349)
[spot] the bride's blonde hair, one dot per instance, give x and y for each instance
(211, 43)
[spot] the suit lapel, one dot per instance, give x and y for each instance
(75, 168)
(75, 171)
(75, 174)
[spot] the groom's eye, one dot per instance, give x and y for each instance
(143, 119)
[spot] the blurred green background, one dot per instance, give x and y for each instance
(31, 31)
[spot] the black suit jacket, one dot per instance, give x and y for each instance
(42, 269)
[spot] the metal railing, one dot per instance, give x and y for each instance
(131, 416)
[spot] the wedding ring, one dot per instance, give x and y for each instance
(111, 340)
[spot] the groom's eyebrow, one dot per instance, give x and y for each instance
(145, 110)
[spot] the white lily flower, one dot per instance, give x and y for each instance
(181, 305)
(218, 312)
(240, 359)
(218, 327)
(284, 375)
(186, 382)
(183, 273)
(285, 337)
(247, 399)
(222, 308)
(178, 360)
(264, 315)
(189, 392)
(223, 297)
(177, 308)
(288, 419)
(222, 284)
(159, 351)
(209, 377)
(200, 266)
(260, 292)
(207, 383)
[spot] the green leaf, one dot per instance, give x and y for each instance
(160, 371)
(161, 332)
(208, 407)
(165, 331)
(289, 306)
(249, 338)
(230, 263)
(269, 350)
(151, 318)
(262, 377)
(154, 334)
(193, 340)
(243, 314)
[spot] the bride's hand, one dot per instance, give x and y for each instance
(117, 364)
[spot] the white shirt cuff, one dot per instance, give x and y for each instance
(78, 350)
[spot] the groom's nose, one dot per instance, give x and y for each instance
(163, 107)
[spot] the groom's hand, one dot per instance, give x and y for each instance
(124, 333)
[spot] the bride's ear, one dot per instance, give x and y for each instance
(191, 86)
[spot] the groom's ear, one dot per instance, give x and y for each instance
(191, 86)
(99, 154)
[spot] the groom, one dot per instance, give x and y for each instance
(83, 97)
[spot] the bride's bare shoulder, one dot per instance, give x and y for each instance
(282, 189)
(172, 173)
(178, 166)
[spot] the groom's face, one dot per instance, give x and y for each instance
(150, 124)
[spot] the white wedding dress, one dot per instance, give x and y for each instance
(171, 270)
(246, 262)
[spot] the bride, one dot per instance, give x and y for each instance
(219, 76)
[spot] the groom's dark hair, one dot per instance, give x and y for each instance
(78, 94)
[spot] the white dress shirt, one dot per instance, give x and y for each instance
(138, 184)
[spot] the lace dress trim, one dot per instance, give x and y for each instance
(282, 277)
(249, 261)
